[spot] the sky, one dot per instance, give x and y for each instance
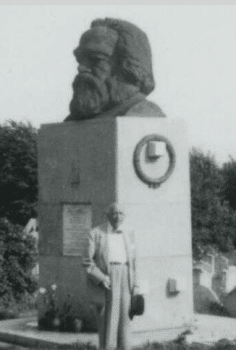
(194, 59)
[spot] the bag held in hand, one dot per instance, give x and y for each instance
(136, 305)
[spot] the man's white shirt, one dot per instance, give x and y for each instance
(116, 248)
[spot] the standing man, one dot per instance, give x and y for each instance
(111, 264)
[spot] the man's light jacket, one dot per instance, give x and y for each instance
(96, 260)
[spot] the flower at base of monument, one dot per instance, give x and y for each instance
(50, 300)
(50, 318)
(42, 290)
(54, 286)
(66, 308)
(68, 320)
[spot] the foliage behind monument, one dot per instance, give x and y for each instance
(17, 258)
(229, 186)
(213, 220)
(18, 176)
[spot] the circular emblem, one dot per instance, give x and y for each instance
(154, 160)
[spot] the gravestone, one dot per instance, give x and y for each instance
(138, 158)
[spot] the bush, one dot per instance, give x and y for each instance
(18, 176)
(213, 220)
(17, 258)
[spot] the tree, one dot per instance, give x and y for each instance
(229, 186)
(18, 175)
(17, 259)
(213, 221)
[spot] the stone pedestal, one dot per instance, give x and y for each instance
(83, 167)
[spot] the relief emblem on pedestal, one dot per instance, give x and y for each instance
(154, 160)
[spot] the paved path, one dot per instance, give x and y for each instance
(23, 332)
(209, 329)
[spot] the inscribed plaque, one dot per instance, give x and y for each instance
(77, 220)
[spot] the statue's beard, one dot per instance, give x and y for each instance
(92, 96)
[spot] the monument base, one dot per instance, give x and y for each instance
(24, 332)
(84, 167)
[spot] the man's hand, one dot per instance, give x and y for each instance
(136, 290)
(107, 282)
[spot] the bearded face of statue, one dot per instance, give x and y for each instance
(97, 87)
(90, 91)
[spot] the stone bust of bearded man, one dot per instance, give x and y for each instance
(115, 72)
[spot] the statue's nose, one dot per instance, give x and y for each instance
(83, 69)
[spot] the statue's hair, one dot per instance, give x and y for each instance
(133, 52)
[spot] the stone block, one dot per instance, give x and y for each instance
(89, 164)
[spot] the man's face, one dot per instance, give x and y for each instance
(116, 217)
